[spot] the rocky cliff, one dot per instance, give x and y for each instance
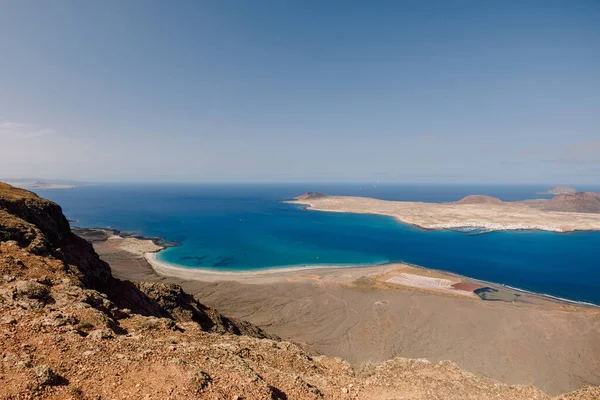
(70, 330)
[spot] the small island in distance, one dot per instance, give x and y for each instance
(32, 184)
(560, 190)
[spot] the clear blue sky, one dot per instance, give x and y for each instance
(402, 91)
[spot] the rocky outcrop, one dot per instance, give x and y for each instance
(40, 226)
(170, 301)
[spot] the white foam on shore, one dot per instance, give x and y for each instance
(166, 268)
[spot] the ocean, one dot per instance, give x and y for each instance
(241, 227)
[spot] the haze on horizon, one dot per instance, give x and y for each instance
(429, 91)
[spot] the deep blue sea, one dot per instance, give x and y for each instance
(247, 227)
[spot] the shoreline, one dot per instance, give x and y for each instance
(83, 231)
(166, 269)
(151, 258)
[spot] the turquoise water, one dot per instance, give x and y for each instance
(247, 227)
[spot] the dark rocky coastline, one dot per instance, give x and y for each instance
(100, 234)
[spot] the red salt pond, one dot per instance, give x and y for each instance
(467, 287)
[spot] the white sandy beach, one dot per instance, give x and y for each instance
(258, 276)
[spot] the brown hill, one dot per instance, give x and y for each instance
(70, 330)
(311, 195)
(479, 199)
(584, 202)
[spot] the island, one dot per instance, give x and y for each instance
(564, 213)
(560, 190)
(33, 184)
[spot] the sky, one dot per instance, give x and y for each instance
(284, 91)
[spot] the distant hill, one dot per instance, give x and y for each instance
(479, 199)
(42, 183)
(311, 195)
(560, 190)
(586, 202)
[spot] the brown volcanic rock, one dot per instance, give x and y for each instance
(23, 233)
(46, 215)
(479, 199)
(40, 225)
(170, 301)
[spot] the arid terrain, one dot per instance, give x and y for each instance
(69, 329)
(564, 213)
(367, 315)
